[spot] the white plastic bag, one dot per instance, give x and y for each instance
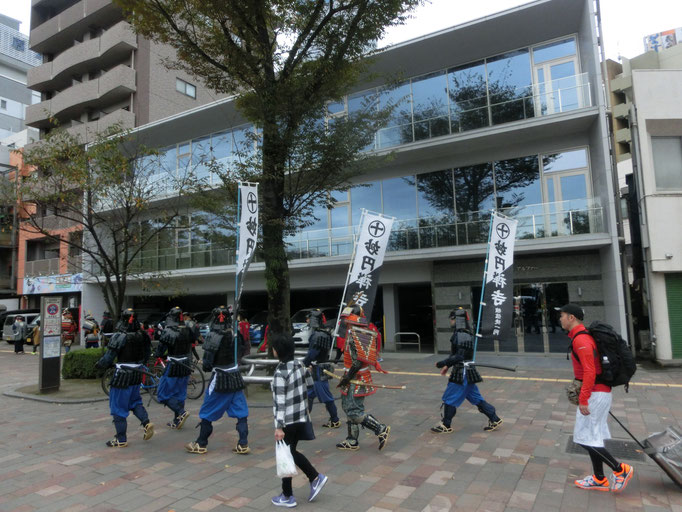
(285, 461)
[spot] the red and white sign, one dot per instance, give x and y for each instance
(52, 323)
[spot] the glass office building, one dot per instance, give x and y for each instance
(513, 123)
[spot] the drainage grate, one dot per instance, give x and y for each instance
(628, 450)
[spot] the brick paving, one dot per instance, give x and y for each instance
(53, 456)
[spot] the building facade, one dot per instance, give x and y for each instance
(505, 113)
(16, 59)
(647, 91)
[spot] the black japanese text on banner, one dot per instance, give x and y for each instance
(363, 275)
(498, 295)
(248, 233)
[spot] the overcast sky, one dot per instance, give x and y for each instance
(625, 22)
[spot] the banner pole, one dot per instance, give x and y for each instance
(345, 286)
(236, 271)
(485, 275)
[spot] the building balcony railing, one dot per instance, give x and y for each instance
(114, 85)
(41, 267)
(61, 30)
(94, 54)
(87, 132)
(540, 221)
(539, 100)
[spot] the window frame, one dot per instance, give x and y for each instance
(183, 86)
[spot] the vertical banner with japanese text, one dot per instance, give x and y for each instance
(498, 295)
(248, 233)
(363, 275)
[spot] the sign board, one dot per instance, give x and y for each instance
(63, 283)
(663, 40)
(50, 346)
(51, 322)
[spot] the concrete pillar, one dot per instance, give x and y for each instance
(92, 301)
(391, 315)
(660, 321)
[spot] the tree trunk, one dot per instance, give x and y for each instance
(272, 215)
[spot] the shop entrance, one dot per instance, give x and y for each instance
(535, 323)
(416, 312)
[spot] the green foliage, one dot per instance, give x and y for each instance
(102, 192)
(80, 364)
(287, 59)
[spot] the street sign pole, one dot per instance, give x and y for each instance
(51, 343)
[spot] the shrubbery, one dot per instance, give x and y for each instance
(80, 364)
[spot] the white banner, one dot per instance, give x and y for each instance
(363, 279)
(248, 232)
(499, 288)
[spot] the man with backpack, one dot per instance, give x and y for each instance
(593, 369)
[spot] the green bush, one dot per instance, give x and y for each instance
(80, 364)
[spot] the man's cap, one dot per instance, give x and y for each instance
(573, 309)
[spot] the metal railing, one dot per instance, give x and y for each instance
(41, 267)
(539, 221)
(536, 100)
(399, 335)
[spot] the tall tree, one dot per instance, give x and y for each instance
(102, 200)
(286, 59)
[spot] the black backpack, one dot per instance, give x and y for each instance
(617, 361)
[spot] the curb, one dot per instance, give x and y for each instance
(26, 396)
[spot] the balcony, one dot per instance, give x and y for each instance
(531, 102)
(6, 238)
(548, 221)
(59, 32)
(623, 135)
(41, 267)
(111, 87)
(621, 111)
(104, 51)
(86, 131)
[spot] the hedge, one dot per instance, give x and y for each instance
(80, 364)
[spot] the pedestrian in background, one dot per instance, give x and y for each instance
(35, 336)
(68, 330)
(292, 421)
(19, 330)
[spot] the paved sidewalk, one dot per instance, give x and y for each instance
(53, 456)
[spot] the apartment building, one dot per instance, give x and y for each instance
(505, 112)
(646, 92)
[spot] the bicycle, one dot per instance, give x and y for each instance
(196, 382)
(149, 384)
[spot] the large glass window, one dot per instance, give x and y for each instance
(360, 103)
(555, 50)
(430, 106)
(221, 145)
(368, 197)
(398, 129)
(575, 159)
(242, 145)
(510, 86)
(436, 195)
(667, 153)
(517, 182)
(474, 189)
(468, 97)
(399, 197)
(201, 156)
